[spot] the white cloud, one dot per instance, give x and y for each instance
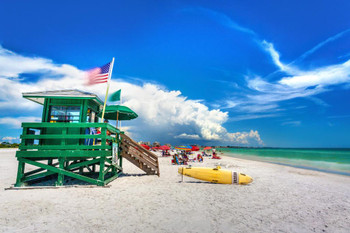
(325, 76)
(321, 44)
(300, 80)
(253, 116)
(274, 55)
(9, 138)
(188, 136)
(297, 82)
(15, 122)
(223, 20)
(245, 137)
(265, 96)
(163, 114)
(292, 123)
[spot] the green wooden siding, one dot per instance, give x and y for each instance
(60, 149)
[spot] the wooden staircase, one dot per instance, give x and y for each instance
(139, 156)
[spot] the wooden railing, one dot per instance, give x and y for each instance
(139, 156)
(62, 149)
(66, 136)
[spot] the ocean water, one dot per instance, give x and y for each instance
(327, 160)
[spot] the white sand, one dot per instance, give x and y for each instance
(281, 199)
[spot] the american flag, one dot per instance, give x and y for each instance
(98, 75)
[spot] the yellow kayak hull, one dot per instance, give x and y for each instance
(215, 175)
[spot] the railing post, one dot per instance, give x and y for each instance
(24, 133)
(103, 134)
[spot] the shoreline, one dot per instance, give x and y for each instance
(266, 160)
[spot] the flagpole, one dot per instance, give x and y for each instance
(109, 80)
(120, 122)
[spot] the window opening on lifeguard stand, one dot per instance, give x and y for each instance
(68, 114)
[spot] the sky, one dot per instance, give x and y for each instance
(240, 73)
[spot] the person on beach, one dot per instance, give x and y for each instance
(185, 159)
(176, 160)
(200, 158)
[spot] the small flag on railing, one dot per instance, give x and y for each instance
(115, 96)
(98, 75)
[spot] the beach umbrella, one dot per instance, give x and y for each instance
(145, 146)
(185, 148)
(195, 148)
(118, 113)
(164, 147)
(207, 148)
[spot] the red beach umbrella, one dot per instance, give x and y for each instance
(145, 146)
(164, 147)
(195, 148)
(207, 148)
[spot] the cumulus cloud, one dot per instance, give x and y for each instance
(245, 137)
(163, 114)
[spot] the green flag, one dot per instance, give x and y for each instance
(115, 96)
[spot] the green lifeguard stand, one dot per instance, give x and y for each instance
(66, 143)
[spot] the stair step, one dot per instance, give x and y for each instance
(140, 157)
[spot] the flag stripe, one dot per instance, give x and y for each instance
(98, 75)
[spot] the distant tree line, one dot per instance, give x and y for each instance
(9, 145)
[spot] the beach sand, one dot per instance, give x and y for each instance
(280, 199)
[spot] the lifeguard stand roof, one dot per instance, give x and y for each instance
(39, 97)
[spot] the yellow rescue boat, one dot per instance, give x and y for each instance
(215, 175)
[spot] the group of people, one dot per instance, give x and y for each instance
(183, 159)
(215, 156)
(180, 159)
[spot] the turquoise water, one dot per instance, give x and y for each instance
(327, 160)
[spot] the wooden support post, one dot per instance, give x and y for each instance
(60, 176)
(81, 168)
(101, 176)
(20, 173)
(114, 170)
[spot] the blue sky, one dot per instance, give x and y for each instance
(198, 72)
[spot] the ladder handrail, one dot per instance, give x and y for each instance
(140, 153)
